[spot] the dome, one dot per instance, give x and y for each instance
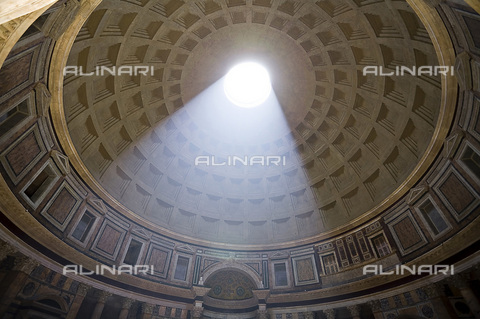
(140, 179)
(348, 142)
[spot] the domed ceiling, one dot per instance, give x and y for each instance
(349, 141)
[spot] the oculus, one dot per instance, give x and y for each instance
(247, 85)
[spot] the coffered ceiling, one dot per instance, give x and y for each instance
(350, 141)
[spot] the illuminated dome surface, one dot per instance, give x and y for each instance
(350, 142)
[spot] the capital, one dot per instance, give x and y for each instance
(308, 315)
(197, 312)
(354, 310)
(459, 280)
(127, 303)
(435, 290)
(375, 305)
(102, 296)
(82, 290)
(25, 264)
(329, 313)
(6, 249)
(147, 308)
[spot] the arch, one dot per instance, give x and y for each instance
(233, 265)
(51, 300)
(12, 9)
(22, 24)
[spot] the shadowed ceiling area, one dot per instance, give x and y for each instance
(349, 140)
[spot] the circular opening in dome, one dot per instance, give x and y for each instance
(247, 85)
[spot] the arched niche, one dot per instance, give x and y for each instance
(232, 265)
(230, 289)
(230, 284)
(48, 306)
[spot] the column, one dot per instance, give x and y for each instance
(77, 302)
(102, 297)
(147, 310)
(461, 282)
(126, 305)
(15, 280)
(435, 293)
(376, 309)
(354, 311)
(329, 313)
